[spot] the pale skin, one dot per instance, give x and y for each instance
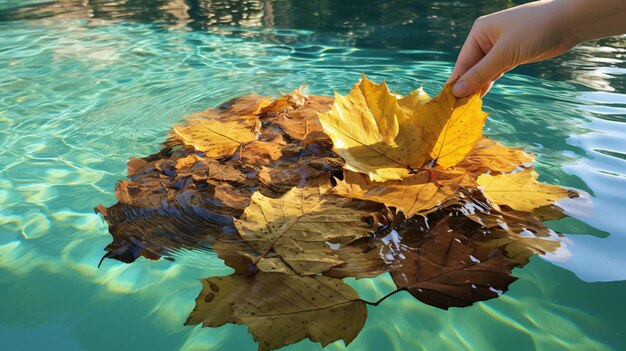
(528, 33)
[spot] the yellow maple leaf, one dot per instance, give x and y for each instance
(413, 100)
(521, 191)
(370, 144)
(455, 125)
(387, 139)
(383, 108)
(215, 137)
(416, 194)
(298, 226)
(490, 156)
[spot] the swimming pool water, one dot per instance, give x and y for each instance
(85, 85)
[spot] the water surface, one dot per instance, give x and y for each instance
(88, 84)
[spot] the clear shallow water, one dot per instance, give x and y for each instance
(85, 87)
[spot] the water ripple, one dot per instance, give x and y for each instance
(80, 98)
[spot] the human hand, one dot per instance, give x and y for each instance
(503, 40)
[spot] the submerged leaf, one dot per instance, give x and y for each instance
(445, 267)
(519, 234)
(302, 226)
(521, 191)
(282, 309)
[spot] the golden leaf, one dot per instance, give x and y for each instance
(301, 226)
(521, 191)
(217, 138)
(281, 309)
(416, 194)
(375, 136)
(286, 102)
(455, 125)
(413, 100)
(365, 130)
(488, 155)
(383, 107)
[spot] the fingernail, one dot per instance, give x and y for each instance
(460, 89)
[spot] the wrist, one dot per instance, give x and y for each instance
(584, 20)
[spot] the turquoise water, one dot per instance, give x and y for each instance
(87, 85)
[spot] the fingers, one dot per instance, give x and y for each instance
(486, 89)
(471, 53)
(480, 75)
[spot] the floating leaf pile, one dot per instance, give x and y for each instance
(297, 193)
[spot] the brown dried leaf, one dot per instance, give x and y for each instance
(261, 152)
(297, 124)
(445, 267)
(285, 103)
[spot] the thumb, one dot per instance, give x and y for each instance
(480, 75)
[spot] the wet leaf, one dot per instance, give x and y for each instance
(519, 234)
(302, 226)
(217, 138)
(281, 180)
(298, 123)
(416, 194)
(490, 156)
(262, 152)
(446, 267)
(281, 309)
(521, 191)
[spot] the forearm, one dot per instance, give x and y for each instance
(591, 19)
